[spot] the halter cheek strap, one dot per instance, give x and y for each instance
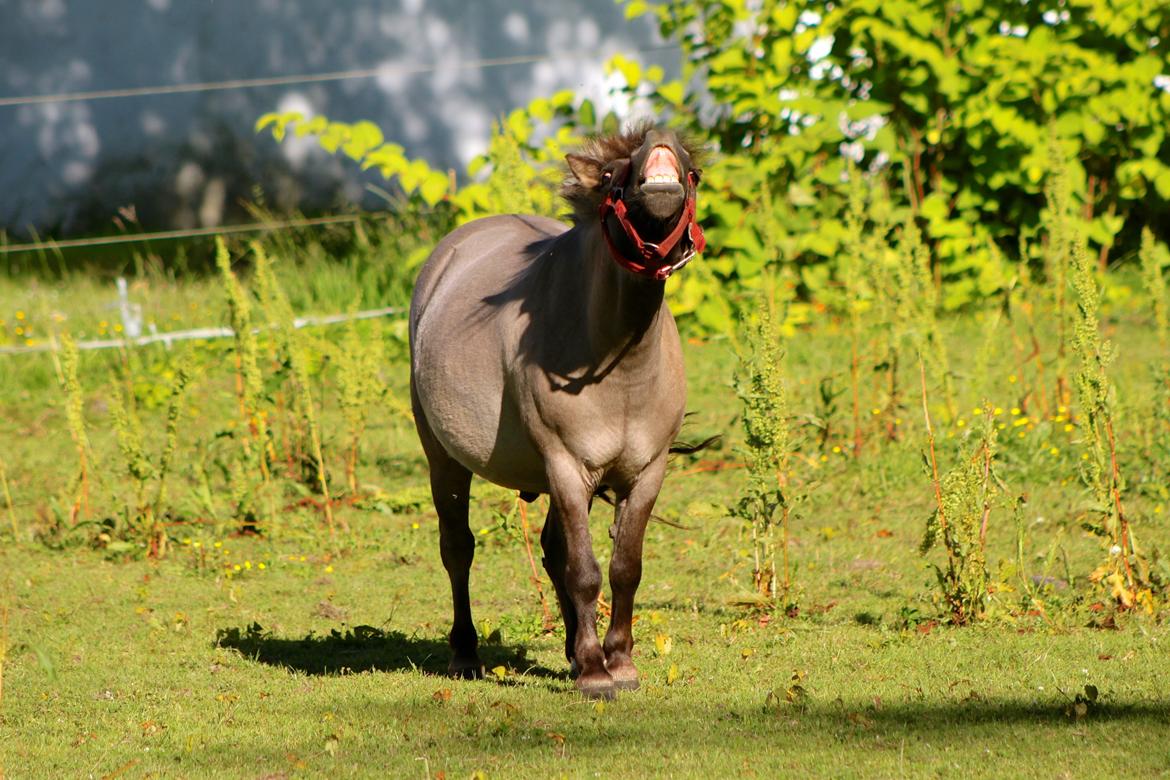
(651, 258)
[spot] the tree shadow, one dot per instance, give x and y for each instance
(368, 649)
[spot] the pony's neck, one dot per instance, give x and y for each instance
(624, 310)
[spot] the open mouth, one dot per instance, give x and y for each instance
(660, 173)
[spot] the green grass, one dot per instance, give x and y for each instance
(190, 667)
(115, 665)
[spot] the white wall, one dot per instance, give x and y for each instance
(188, 159)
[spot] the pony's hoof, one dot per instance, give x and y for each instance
(597, 686)
(574, 670)
(625, 678)
(623, 672)
(465, 669)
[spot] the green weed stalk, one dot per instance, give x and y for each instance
(3, 650)
(852, 280)
(964, 497)
(881, 276)
(917, 305)
(65, 360)
(1153, 258)
(357, 362)
(1021, 300)
(183, 373)
(766, 502)
(1060, 230)
(293, 344)
(1154, 284)
(182, 381)
(8, 501)
(1124, 570)
(128, 431)
(249, 393)
(144, 517)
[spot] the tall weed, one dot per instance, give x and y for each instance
(767, 501)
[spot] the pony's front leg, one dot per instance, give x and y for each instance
(625, 571)
(570, 496)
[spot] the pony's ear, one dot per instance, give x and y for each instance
(587, 170)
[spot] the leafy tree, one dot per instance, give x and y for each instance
(955, 104)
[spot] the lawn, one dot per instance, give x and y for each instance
(254, 650)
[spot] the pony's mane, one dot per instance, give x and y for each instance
(607, 148)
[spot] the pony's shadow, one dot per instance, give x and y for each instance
(368, 649)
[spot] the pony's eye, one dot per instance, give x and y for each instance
(605, 177)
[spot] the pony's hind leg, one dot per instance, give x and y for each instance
(451, 492)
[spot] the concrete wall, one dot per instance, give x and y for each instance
(188, 159)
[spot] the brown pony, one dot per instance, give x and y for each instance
(544, 359)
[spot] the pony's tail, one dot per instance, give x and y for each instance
(682, 448)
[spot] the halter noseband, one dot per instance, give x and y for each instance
(651, 259)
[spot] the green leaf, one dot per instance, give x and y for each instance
(672, 92)
(587, 113)
(630, 70)
(541, 109)
(636, 8)
(363, 136)
(434, 187)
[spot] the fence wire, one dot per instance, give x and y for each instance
(170, 337)
(408, 69)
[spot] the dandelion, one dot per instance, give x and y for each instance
(235, 567)
(998, 411)
(1012, 378)
(261, 566)
(248, 565)
(328, 569)
(1016, 412)
(836, 450)
(961, 423)
(414, 526)
(1069, 428)
(20, 315)
(1053, 451)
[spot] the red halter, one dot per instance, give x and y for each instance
(651, 261)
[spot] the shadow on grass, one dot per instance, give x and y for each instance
(367, 649)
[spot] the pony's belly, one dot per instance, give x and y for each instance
(479, 427)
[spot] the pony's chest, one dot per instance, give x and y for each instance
(614, 428)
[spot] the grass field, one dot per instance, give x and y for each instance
(292, 652)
